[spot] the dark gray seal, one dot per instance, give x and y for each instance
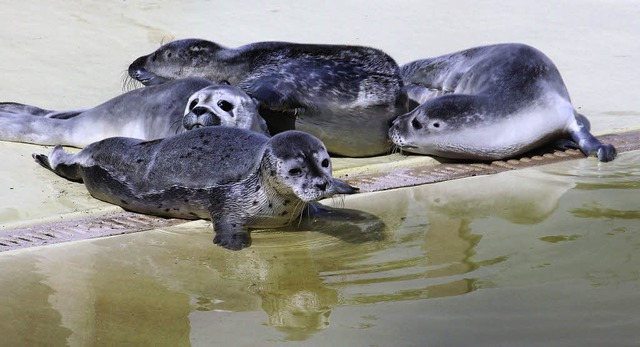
(237, 178)
(145, 113)
(496, 102)
(344, 95)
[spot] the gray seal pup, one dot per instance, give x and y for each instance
(237, 178)
(145, 113)
(496, 102)
(344, 95)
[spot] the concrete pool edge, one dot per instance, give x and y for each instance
(384, 176)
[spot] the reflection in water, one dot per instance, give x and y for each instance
(431, 250)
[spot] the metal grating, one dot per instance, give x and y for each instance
(85, 228)
(127, 222)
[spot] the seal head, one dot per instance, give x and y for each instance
(223, 105)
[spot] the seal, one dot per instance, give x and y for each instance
(145, 113)
(237, 178)
(491, 103)
(344, 95)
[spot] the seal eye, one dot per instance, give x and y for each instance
(225, 105)
(193, 104)
(415, 123)
(325, 162)
(295, 172)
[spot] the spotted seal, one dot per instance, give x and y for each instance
(145, 113)
(344, 95)
(491, 102)
(237, 178)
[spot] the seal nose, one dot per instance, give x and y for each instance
(199, 111)
(322, 186)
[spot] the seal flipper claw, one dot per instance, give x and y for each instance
(607, 152)
(231, 238)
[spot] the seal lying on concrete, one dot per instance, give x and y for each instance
(344, 95)
(237, 178)
(146, 113)
(498, 102)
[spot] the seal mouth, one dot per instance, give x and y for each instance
(145, 77)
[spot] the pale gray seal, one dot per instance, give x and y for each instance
(499, 101)
(344, 95)
(237, 178)
(146, 113)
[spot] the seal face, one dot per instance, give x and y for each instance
(491, 102)
(145, 113)
(344, 95)
(237, 178)
(223, 105)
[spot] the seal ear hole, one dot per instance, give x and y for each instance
(193, 104)
(415, 123)
(169, 54)
(295, 171)
(325, 162)
(225, 105)
(436, 125)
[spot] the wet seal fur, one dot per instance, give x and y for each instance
(491, 103)
(145, 113)
(237, 178)
(344, 95)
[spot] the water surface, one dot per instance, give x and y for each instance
(538, 256)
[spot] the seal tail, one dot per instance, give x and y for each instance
(57, 162)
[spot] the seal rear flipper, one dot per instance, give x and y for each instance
(29, 110)
(231, 236)
(55, 162)
(341, 187)
(589, 145)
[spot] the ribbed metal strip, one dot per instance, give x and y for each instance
(407, 177)
(86, 228)
(126, 222)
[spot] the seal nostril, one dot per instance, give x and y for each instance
(415, 123)
(322, 186)
(193, 104)
(199, 111)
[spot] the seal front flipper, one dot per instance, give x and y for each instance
(277, 104)
(231, 236)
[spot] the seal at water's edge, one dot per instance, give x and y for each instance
(237, 178)
(498, 102)
(146, 113)
(344, 95)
